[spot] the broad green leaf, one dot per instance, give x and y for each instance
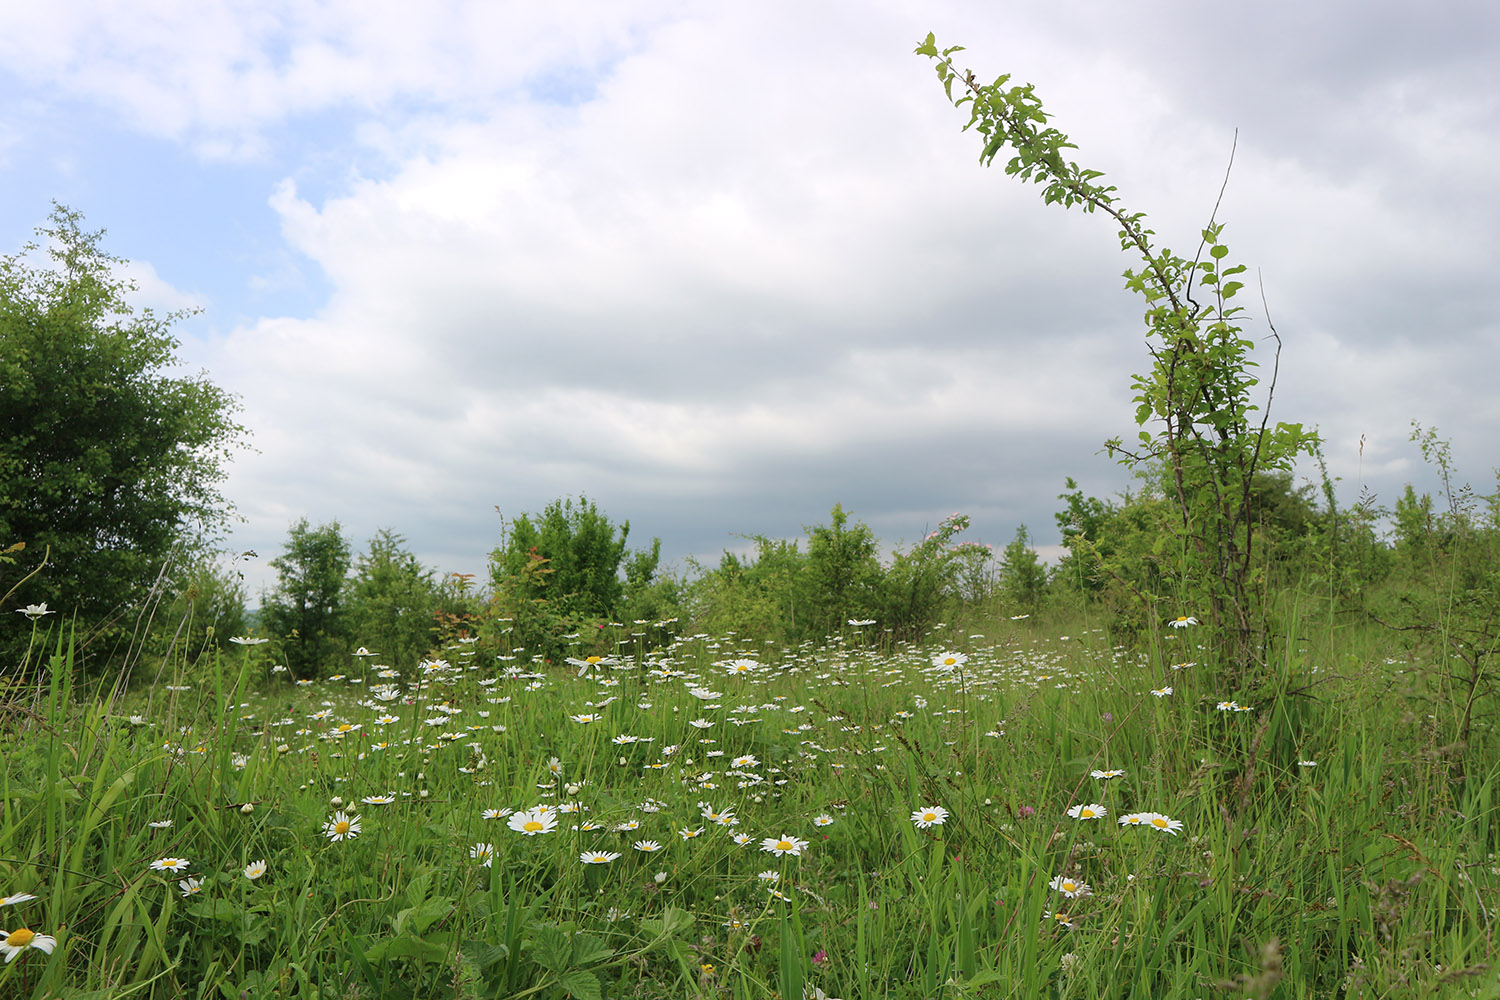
(577, 983)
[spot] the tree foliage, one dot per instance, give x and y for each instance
(781, 592)
(1194, 404)
(306, 609)
(581, 550)
(391, 600)
(1023, 578)
(108, 458)
(567, 567)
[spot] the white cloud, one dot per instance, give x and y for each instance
(728, 263)
(217, 73)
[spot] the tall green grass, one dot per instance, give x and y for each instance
(1371, 872)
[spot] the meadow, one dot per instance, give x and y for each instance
(1002, 809)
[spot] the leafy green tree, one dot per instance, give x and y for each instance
(205, 608)
(306, 609)
(558, 570)
(843, 573)
(650, 593)
(583, 551)
(754, 596)
(108, 458)
(391, 600)
(1194, 404)
(1023, 577)
(1414, 523)
(923, 583)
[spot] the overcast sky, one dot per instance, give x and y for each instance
(721, 265)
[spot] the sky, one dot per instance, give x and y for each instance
(719, 266)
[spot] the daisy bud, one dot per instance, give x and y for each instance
(247, 808)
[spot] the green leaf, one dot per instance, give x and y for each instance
(1219, 252)
(588, 949)
(578, 983)
(406, 946)
(484, 955)
(550, 947)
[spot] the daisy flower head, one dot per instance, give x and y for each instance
(647, 846)
(949, 660)
(171, 865)
(497, 813)
(18, 940)
(743, 838)
(378, 800)
(483, 853)
(688, 833)
(1072, 888)
(255, 870)
(823, 820)
(1165, 824)
(534, 821)
(1136, 819)
(1162, 692)
(1307, 763)
(1091, 811)
(598, 857)
(1106, 775)
(784, 845)
(341, 827)
(929, 816)
(770, 876)
(1182, 621)
(19, 897)
(190, 886)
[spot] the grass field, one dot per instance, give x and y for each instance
(1012, 812)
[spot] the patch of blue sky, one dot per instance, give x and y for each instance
(207, 227)
(568, 86)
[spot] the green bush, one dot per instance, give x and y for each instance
(565, 570)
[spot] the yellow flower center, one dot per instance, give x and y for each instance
(783, 845)
(1158, 822)
(595, 659)
(19, 938)
(1182, 618)
(532, 826)
(950, 661)
(342, 826)
(1087, 814)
